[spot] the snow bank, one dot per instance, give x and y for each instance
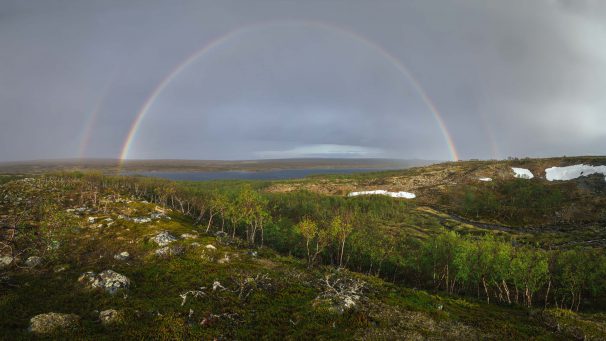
(522, 173)
(573, 172)
(406, 195)
(485, 179)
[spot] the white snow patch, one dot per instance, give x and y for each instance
(485, 179)
(573, 172)
(406, 195)
(522, 173)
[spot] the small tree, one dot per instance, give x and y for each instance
(340, 228)
(217, 204)
(309, 230)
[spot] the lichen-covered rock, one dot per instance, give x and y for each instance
(110, 316)
(124, 255)
(33, 261)
(224, 260)
(6, 261)
(50, 322)
(163, 238)
(188, 236)
(168, 251)
(107, 280)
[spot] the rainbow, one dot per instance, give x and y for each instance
(132, 133)
(87, 132)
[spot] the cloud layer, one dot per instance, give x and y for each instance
(314, 78)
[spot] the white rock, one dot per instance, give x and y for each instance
(156, 216)
(485, 179)
(108, 280)
(124, 255)
(217, 285)
(168, 251)
(210, 247)
(188, 236)
(224, 260)
(5, 261)
(110, 316)
(164, 238)
(573, 172)
(401, 194)
(50, 322)
(33, 261)
(522, 173)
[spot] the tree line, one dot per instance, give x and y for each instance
(345, 232)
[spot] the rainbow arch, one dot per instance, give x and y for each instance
(88, 129)
(136, 124)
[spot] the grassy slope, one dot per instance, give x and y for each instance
(280, 307)
(537, 210)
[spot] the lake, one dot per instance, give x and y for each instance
(280, 174)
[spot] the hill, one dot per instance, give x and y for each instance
(148, 258)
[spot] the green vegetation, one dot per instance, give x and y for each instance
(301, 263)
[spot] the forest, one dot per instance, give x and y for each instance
(361, 234)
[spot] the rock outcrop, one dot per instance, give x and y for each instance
(168, 251)
(33, 261)
(163, 238)
(110, 316)
(122, 256)
(107, 280)
(6, 261)
(50, 322)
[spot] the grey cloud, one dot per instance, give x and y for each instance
(509, 77)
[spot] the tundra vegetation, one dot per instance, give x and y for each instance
(243, 260)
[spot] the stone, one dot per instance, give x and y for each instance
(6, 261)
(163, 252)
(142, 220)
(210, 247)
(163, 238)
(122, 256)
(188, 236)
(50, 322)
(169, 251)
(221, 234)
(156, 216)
(224, 260)
(33, 261)
(108, 280)
(110, 316)
(217, 285)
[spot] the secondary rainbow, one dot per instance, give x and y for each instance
(132, 133)
(87, 132)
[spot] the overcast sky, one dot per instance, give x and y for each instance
(302, 78)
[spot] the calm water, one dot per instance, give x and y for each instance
(246, 175)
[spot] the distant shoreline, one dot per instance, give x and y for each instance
(195, 166)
